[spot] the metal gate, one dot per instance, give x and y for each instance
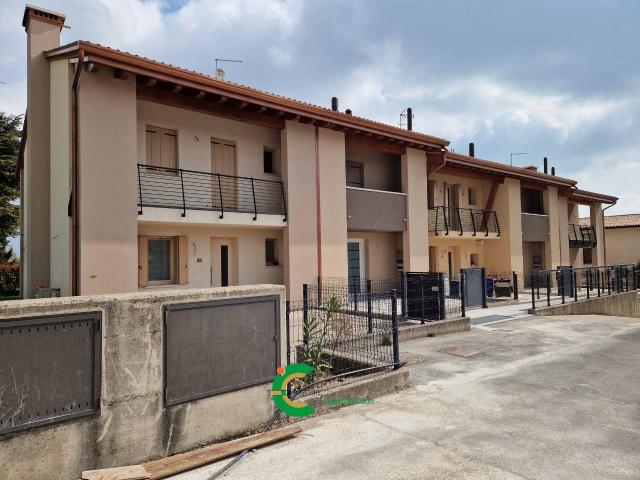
(220, 345)
(425, 296)
(475, 293)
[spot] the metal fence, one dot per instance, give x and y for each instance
(566, 284)
(193, 190)
(341, 343)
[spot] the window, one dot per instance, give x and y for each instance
(532, 201)
(431, 194)
(475, 259)
(587, 256)
(162, 147)
(163, 260)
(160, 259)
(269, 161)
(271, 252)
(473, 197)
(355, 174)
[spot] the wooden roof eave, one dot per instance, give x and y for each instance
(169, 74)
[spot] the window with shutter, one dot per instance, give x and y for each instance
(162, 147)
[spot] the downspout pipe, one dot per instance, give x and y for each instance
(604, 231)
(75, 152)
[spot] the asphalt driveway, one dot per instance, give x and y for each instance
(532, 398)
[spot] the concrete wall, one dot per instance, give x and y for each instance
(505, 254)
(382, 171)
(415, 238)
(41, 36)
(108, 190)
(597, 222)
(618, 305)
(195, 131)
(60, 180)
(133, 425)
(250, 255)
(622, 245)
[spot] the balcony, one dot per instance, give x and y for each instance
(463, 221)
(242, 199)
(582, 236)
(535, 227)
(376, 210)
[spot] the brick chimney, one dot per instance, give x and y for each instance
(43, 33)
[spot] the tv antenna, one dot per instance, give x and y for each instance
(219, 70)
(511, 155)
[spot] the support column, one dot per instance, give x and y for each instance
(107, 197)
(298, 144)
(563, 214)
(333, 204)
(415, 238)
(597, 222)
(552, 245)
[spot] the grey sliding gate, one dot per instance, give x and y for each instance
(475, 292)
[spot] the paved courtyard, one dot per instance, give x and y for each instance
(531, 398)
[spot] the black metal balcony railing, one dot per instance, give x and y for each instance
(582, 236)
(446, 220)
(193, 190)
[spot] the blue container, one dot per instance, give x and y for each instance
(489, 286)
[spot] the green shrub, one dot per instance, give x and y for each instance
(9, 279)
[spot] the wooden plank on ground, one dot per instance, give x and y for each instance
(182, 462)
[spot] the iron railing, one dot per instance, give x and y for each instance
(582, 236)
(449, 220)
(193, 190)
(566, 284)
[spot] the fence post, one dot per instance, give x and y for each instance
(184, 202)
(288, 333)
(305, 301)
(533, 293)
(405, 296)
(422, 299)
(562, 280)
(394, 330)
(484, 288)
(515, 285)
(575, 286)
(548, 289)
(462, 304)
(588, 284)
(608, 281)
(370, 308)
(598, 280)
(626, 278)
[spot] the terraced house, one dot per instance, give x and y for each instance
(137, 174)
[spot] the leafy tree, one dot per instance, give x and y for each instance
(10, 134)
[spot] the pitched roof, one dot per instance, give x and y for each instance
(139, 65)
(617, 221)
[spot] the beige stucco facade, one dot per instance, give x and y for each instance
(301, 151)
(622, 245)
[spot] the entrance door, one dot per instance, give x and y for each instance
(355, 266)
(224, 163)
(223, 262)
(452, 194)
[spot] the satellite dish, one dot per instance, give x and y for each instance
(220, 73)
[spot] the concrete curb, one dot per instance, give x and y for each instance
(439, 327)
(625, 304)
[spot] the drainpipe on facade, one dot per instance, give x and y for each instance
(75, 238)
(604, 229)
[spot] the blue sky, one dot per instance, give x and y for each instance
(555, 79)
